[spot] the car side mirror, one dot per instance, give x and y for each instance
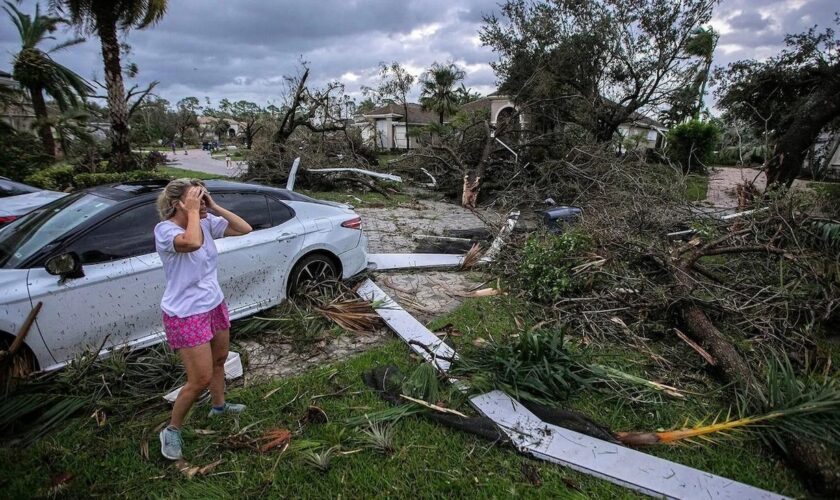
(66, 265)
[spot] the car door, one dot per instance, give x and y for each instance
(117, 302)
(253, 268)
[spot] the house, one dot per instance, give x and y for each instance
(207, 126)
(19, 114)
(385, 127)
(640, 132)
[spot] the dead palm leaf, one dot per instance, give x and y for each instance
(352, 314)
(472, 257)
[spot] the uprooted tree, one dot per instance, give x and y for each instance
(791, 97)
(741, 290)
(595, 63)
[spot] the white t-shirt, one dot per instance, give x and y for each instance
(192, 283)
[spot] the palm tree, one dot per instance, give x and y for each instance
(37, 72)
(104, 18)
(437, 89)
(702, 44)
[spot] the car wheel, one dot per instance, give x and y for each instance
(310, 272)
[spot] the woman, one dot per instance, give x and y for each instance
(195, 316)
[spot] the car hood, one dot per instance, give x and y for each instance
(25, 203)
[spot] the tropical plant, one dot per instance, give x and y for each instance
(792, 409)
(437, 89)
(378, 436)
(702, 44)
(38, 73)
(692, 144)
(105, 18)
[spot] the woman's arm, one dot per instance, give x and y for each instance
(236, 224)
(191, 239)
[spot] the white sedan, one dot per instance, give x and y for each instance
(90, 258)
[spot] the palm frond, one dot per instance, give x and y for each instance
(792, 408)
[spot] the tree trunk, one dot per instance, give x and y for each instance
(407, 140)
(811, 118)
(39, 107)
(121, 159)
(818, 466)
(472, 182)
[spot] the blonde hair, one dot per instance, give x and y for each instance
(171, 194)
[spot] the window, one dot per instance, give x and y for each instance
(12, 188)
(280, 213)
(129, 234)
(26, 236)
(250, 206)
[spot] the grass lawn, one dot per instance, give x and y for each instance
(177, 173)
(696, 187)
(428, 460)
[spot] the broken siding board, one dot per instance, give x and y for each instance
(406, 326)
(623, 466)
(390, 261)
(380, 175)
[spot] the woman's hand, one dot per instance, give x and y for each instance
(208, 200)
(192, 200)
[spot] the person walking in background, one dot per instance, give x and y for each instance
(195, 316)
(227, 160)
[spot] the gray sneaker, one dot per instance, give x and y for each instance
(227, 408)
(170, 443)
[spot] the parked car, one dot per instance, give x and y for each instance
(90, 258)
(17, 199)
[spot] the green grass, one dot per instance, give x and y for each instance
(696, 187)
(744, 460)
(177, 173)
(830, 190)
(429, 460)
(369, 199)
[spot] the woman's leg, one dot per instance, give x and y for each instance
(198, 362)
(219, 346)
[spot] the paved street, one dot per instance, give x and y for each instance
(200, 161)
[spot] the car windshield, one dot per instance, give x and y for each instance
(29, 234)
(12, 188)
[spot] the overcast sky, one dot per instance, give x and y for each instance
(241, 49)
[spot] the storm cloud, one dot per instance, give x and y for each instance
(242, 49)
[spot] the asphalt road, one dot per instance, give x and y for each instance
(200, 161)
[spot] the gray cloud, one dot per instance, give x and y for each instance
(242, 49)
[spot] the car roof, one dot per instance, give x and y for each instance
(122, 191)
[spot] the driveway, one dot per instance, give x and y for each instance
(201, 161)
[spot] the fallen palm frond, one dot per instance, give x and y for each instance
(614, 376)
(537, 366)
(49, 411)
(472, 257)
(352, 314)
(390, 414)
(423, 383)
(274, 438)
(793, 408)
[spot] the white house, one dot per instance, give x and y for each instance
(207, 128)
(384, 127)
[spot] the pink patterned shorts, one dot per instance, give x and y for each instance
(196, 329)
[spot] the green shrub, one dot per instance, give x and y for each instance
(21, 155)
(87, 180)
(57, 177)
(692, 144)
(547, 262)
